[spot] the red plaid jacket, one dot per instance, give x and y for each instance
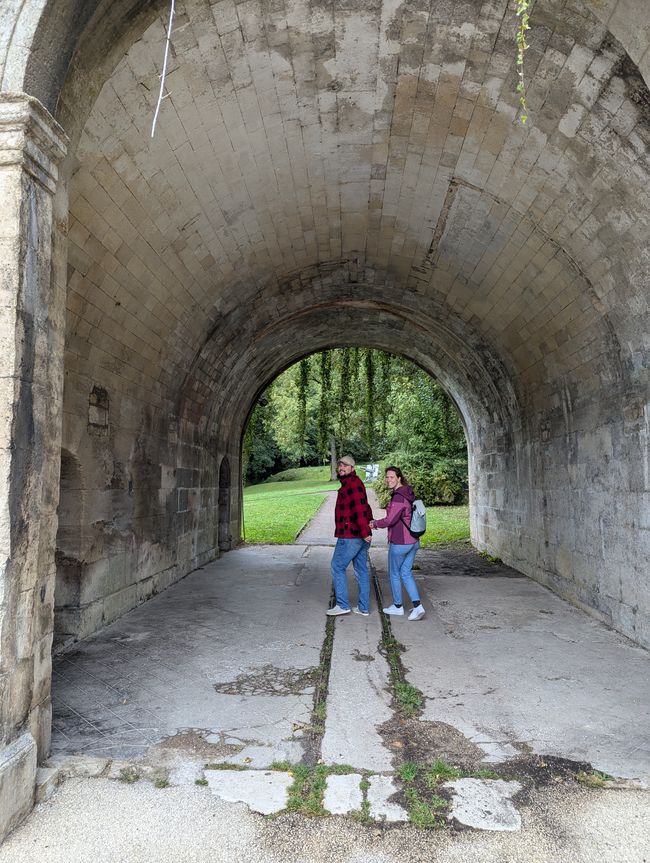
(352, 512)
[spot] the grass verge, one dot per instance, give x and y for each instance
(446, 524)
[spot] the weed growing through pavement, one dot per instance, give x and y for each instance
(409, 699)
(162, 783)
(408, 771)
(201, 781)
(225, 765)
(129, 774)
(595, 779)
(425, 812)
(306, 792)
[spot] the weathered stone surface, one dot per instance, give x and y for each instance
(381, 808)
(485, 804)
(79, 765)
(262, 791)
(17, 778)
(359, 178)
(343, 793)
(47, 778)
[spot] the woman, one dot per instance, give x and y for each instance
(402, 546)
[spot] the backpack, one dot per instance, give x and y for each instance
(418, 519)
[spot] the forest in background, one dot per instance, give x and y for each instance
(366, 403)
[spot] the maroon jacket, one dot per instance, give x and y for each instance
(398, 516)
(352, 512)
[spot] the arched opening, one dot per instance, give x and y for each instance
(373, 405)
(302, 192)
(225, 535)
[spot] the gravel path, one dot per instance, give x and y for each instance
(108, 821)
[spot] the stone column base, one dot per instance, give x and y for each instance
(17, 782)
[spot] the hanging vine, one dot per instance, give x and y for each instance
(370, 396)
(382, 396)
(303, 388)
(344, 395)
(522, 9)
(355, 363)
(324, 404)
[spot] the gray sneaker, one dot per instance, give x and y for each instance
(336, 610)
(357, 610)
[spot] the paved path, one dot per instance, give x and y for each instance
(320, 530)
(223, 667)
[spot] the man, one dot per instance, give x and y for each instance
(353, 536)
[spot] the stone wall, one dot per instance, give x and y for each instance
(322, 174)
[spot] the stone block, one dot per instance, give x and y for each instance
(47, 778)
(17, 779)
(343, 793)
(85, 766)
(381, 790)
(485, 804)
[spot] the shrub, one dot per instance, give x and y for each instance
(442, 482)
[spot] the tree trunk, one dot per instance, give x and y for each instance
(334, 474)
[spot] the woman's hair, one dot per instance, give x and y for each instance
(397, 471)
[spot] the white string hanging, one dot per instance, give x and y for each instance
(161, 95)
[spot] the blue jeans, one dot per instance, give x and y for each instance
(400, 564)
(353, 551)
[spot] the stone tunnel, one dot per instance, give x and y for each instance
(322, 174)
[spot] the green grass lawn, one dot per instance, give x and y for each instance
(446, 524)
(276, 510)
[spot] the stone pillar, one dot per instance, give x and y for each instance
(32, 316)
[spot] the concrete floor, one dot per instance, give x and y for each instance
(230, 654)
(223, 665)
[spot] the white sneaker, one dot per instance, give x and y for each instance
(336, 610)
(393, 609)
(357, 610)
(417, 612)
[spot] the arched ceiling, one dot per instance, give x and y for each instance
(376, 138)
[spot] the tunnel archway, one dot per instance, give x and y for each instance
(481, 267)
(313, 169)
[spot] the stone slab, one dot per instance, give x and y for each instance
(79, 765)
(343, 793)
(381, 807)
(263, 756)
(47, 778)
(358, 700)
(485, 804)
(17, 779)
(263, 791)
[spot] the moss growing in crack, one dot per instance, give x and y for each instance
(440, 771)
(129, 775)
(201, 781)
(409, 699)
(425, 812)
(162, 783)
(594, 779)
(362, 815)
(408, 772)
(225, 765)
(306, 792)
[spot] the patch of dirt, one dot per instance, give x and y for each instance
(362, 657)
(269, 680)
(423, 742)
(192, 742)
